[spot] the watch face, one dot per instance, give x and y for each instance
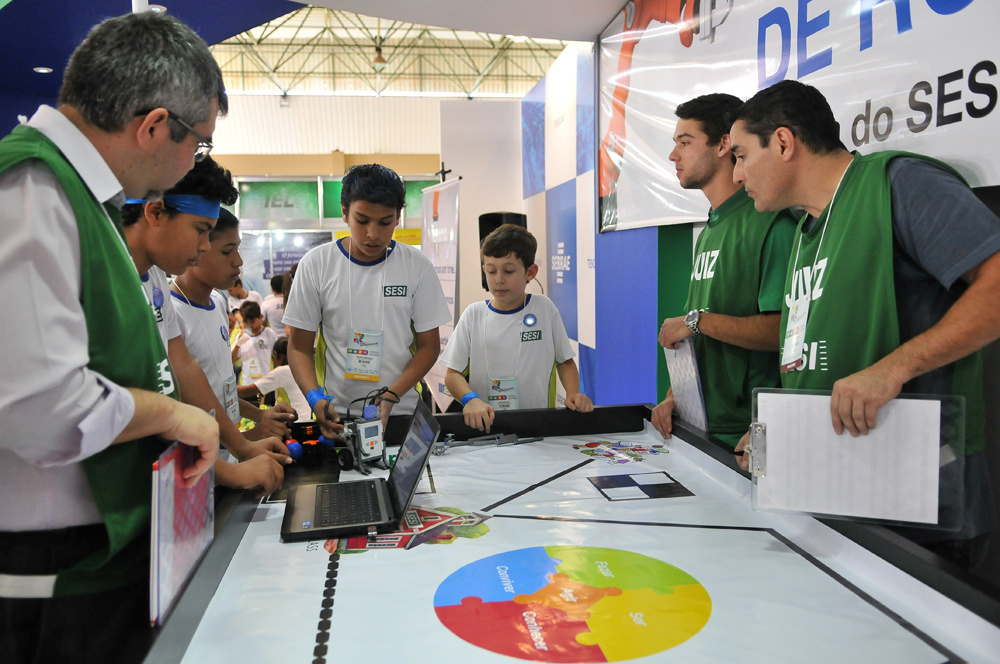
(691, 320)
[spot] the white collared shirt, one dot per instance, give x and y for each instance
(55, 411)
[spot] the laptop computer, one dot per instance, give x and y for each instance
(363, 507)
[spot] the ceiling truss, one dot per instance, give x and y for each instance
(321, 51)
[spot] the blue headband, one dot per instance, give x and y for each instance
(189, 203)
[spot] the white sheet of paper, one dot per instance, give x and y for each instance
(682, 365)
(892, 473)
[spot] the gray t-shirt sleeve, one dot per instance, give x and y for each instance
(938, 221)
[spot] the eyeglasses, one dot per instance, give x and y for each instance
(204, 145)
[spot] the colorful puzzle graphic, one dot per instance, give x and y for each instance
(620, 451)
(572, 604)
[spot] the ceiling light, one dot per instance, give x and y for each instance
(518, 40)
(379, 62)
(43, 70)
(284, 102)
(159, 9)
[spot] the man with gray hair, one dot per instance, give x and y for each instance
(137, 108)
(897, 268)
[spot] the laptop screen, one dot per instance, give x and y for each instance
(412, 458)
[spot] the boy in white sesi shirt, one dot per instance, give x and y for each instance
(201, 309)
(512, 345)
(172, 235)
(378, 304)
(254, 345)
(277, 379)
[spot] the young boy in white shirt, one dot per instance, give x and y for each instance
(171, 235)
(273, 306)
(201, 308)
(279, 378)
(238, 295)
(512, 345)
(378, 303)
(254, 346)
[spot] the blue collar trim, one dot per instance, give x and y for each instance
(527, 300)
(181, 298)
(388, 250)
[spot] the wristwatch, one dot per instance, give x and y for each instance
(691, 320)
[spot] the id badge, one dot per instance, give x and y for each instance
(795, 334)
(364, 355)
(503, 394)
(231, 400)
(255, 369)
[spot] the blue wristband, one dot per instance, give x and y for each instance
(317, 394)
(467, 397)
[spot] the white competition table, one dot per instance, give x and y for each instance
(589, 552)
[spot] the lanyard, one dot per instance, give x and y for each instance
(222, 370)
(486, 344)
(350, 288)
(822, 236)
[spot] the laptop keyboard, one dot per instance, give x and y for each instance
(350, 502)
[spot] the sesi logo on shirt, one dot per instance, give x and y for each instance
(394, 291)
(814, 356)
(531, 335)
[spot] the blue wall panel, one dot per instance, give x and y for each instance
(586, 132)
(533, 141)
(627, 323)
(560, 264)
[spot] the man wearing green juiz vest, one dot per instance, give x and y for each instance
(734, 298)
(88, 396)
(899, 261)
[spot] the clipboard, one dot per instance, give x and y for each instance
(689, 400)
(893, 475)
(182, 527)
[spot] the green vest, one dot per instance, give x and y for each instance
(853, 320)
(725, 280)
(124, 346)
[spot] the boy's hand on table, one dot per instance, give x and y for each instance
(273, 422)
(384, 409)
(579, 402)
(261, 472)
(329, 426)
(283, 411)
(270, 446)
(478, 415)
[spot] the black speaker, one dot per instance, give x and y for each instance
(490, 221)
